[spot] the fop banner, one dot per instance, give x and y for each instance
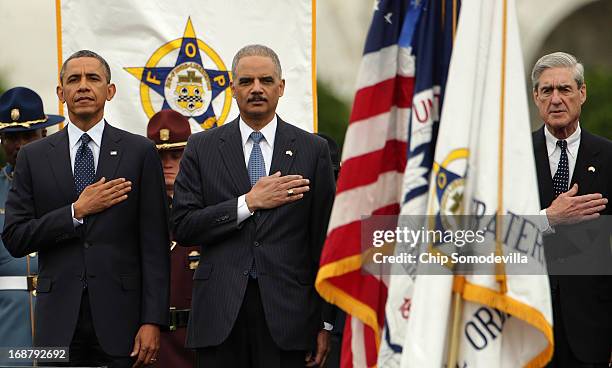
(178, 55)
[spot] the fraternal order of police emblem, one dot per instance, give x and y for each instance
(194, 86)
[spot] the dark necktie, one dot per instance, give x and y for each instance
(257, 165)
(84, 168)
(561, 178)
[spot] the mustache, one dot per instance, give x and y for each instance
(257, 98)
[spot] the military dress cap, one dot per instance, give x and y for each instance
(21, 109)
(169, 130)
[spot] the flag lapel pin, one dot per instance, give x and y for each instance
(113, 153)
(591, 169)
(289, 153)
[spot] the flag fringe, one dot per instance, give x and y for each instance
(335, 295)
(503, 302)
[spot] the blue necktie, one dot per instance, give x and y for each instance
(257, 169)
(84, 169)
(257, 165)
(561, 178)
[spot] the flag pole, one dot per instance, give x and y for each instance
(500, 268)
(457, 306)
(457, 311)
(58, 35)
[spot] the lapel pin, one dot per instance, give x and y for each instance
(113, 153)
(591, 169)
(289, 152)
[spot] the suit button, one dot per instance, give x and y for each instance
(256, 244)
(86, 245)
(245, 272)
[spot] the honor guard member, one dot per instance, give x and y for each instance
(170, 130)
(22, 120)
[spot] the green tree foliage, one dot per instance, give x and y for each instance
(596, 114)
(333, 113)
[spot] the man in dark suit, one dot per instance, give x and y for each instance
(573, 168)
(90, 199)
(256, 194)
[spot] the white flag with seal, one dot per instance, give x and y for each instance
(178, 55)
(483, 165)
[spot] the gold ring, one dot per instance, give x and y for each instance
(290, 192)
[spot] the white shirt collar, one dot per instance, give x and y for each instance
(573, 141)
(95, 133)
(268, 131)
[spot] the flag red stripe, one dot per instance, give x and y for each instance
(379, 98)
(349, 236)
(366, 288)
(365, 169)
(370, 345)
(346, 356)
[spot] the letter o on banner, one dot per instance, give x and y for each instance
(190, 50)
(474, 332)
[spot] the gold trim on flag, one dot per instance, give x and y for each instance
(58, 32)
(313, 62)
(503, 302)
(341, 298)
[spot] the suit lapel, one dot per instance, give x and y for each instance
(232, 153)
(110, 153)
(59, 160)
(108, 161)
(284, 150)
(587, 158)
(282, 156)
(545, 183)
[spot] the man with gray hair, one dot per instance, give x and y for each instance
(256, 195)
(573, 168)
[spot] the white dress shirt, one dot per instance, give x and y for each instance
(554, 151)
(74, 142)
(554, 155)
(267, 148)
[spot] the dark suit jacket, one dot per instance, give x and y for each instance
(285, 242)
(585, 300)
(121, 253)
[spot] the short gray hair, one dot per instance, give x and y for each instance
(86, 53)
(557, 60)
(257, 50)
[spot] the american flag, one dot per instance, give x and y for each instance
(432, 42)
(370, 183)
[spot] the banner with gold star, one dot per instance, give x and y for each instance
(178, 55)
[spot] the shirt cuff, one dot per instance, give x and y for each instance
(243, 210)
(75, 222)
(544, 225)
